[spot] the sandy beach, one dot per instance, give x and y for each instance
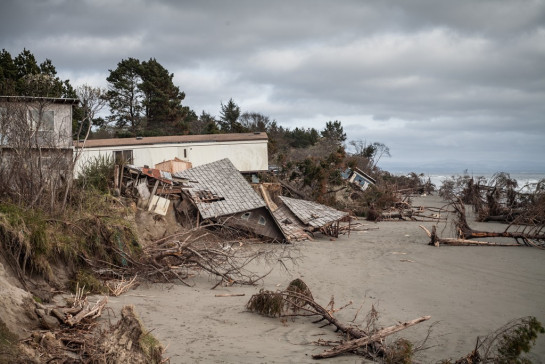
(468, 291)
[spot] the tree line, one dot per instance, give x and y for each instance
(144, 101)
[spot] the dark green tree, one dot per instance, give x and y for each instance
(229, 115)
(26, 64)
(205, 124)
(162, 99)
(334, 132)
(22, 76)
(8, 74)
(143, 99)
(124, 95)
(302, 138)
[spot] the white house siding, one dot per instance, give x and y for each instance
(245, 155)
(63, 124)
(61, 135)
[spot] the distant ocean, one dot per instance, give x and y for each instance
(525, 181)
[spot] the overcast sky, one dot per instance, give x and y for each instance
(445, 84)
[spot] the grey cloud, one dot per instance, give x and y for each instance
(461, 73)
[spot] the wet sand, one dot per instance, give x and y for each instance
(469, 291)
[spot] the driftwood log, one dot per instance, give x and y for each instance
(366, 340)
(86, 312)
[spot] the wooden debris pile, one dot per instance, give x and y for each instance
(185, 254)
(73, 334)
(297, 300)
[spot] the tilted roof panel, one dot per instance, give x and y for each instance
(312, 213)
(222, 179)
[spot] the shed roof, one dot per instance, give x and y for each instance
(219, 189)
(172, 139)
(54, 100)
(312, 213)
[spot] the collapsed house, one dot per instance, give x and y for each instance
(358, 177)
(222, 195)
(217, 193)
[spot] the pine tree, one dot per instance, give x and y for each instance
(228, 122)
(124, 94)
(162, 99)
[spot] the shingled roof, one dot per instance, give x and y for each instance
(312, 213)
(218, 189)
(172, 139)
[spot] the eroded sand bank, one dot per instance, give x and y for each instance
(469, 290)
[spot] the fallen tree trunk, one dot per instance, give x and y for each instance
(358, 343)
(534, 238)
(436, 241)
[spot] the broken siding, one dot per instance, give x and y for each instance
(258, 221)
(290, 224)
(311, 213)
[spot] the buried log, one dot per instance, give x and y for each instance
(297, 300)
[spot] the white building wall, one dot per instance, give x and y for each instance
(245, 155)
(61, 135)
(63, 124)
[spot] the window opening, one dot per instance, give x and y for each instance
(262, 220)
(43, 120)
(246, 216)
(122, 157)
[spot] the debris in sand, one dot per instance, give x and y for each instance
(532, 236)
(297, 300)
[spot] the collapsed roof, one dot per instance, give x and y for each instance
(313, 214)
(220, 193)
(218, 189)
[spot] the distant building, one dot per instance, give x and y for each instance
(247, 151)
(36, 151)
(41, 121)
(358, 177)
(35, 132)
